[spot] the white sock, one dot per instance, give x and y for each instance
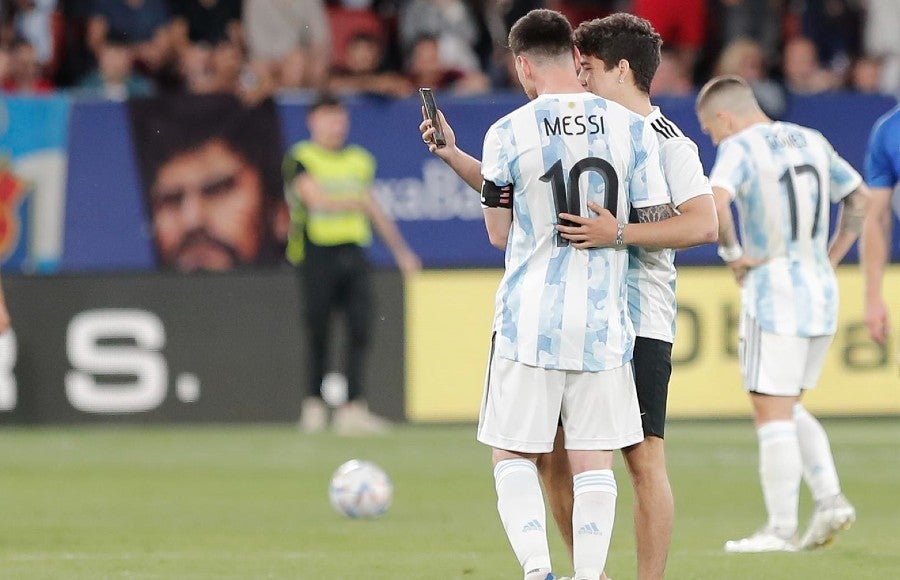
(780, 472)
(818, 462)
(592, 520)
(520, 502)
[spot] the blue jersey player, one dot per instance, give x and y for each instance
(882, 173)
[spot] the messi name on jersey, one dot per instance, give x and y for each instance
(574, 125)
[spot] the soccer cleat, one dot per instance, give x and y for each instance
(765, 540)
(313, 415)
(829, 518)
(354, 418)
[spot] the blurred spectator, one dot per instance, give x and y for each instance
(209, 21)
(291, 38)
(681, 23)
(115, 78)
(349, 20)
(144, 23)
(757, 19)
(33, 21)
(672, 77)
(362, 71)
(865, 75)
(499, 16)
(744, 57)
(803, 74)
(426, 69)
(25, 71)
(196, 68)
(833, 26)
(251, 82)
(882, 41)
(5, 67)
(450, 23)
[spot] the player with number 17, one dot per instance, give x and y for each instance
(783, 178)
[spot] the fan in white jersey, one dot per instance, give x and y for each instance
(619, 56)
(783, 178)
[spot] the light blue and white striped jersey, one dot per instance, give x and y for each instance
(783, 177)
(651, 273)
(558, 307)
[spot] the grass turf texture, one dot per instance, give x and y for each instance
(252, 503)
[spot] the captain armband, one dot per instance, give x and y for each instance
(493, 195)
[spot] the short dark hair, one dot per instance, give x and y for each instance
(324, 99)
(622, 36)
(541, 32)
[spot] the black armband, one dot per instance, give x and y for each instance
(493, 195)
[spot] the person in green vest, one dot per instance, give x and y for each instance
(328, 188)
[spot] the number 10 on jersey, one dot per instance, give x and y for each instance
(567, 195)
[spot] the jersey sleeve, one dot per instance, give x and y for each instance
(647, 186)
(683, 170)
(730, 169)
(844, 179)
(878, 168)
(496, 155)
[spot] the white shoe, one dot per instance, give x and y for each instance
(765, 540)
(354, 418)
(313, 415)
(830, 517)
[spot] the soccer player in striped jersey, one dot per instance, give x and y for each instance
(882, 171)
(562, 336)
(783, 178)
(630, 42)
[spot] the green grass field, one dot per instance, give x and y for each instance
(251, 503)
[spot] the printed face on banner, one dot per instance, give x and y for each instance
(208, 209)
(211, 169)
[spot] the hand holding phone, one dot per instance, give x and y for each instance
(432, 114)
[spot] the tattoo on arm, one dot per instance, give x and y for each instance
(654, 213)
(854, 213)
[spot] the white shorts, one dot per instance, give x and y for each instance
(784, 366)
(522, 407)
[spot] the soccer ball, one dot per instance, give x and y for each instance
(360, 489)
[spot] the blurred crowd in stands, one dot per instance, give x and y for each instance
(256, 48)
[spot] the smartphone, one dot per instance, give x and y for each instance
(431, 112)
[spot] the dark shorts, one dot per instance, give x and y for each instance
(652, 365)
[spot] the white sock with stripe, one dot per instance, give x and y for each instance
(592, 520)
(780, 473)
(520, 503)
(818, 462)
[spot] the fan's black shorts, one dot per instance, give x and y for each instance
(652, 365)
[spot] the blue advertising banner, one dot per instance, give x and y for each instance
(106, 224)
(33, 138)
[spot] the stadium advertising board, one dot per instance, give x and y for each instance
(109, 226)
(33, 159)
(172, 348)
(448, 338)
